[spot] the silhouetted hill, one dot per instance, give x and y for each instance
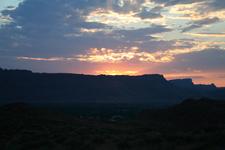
(23, 85)
(190, 113)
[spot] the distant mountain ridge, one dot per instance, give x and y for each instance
(188, 83)
(23, 85)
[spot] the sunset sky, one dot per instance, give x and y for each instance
(176, 38)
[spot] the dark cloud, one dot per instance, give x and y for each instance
(200, 23)
(40, 26)
(43, 24)
(144, 34)
(157, 45)
(174, 2)
(216, 5)
(210, 59)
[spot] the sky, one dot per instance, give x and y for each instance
(176, 38)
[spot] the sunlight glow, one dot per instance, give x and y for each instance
(116, 72)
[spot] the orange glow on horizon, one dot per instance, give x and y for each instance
(198, 77)
(117, 69)
(117, 72)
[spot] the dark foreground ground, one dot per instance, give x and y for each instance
(191, 125)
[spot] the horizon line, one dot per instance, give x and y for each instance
(87, 74)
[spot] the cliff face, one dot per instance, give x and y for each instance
(22, 85)
(188, 83)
